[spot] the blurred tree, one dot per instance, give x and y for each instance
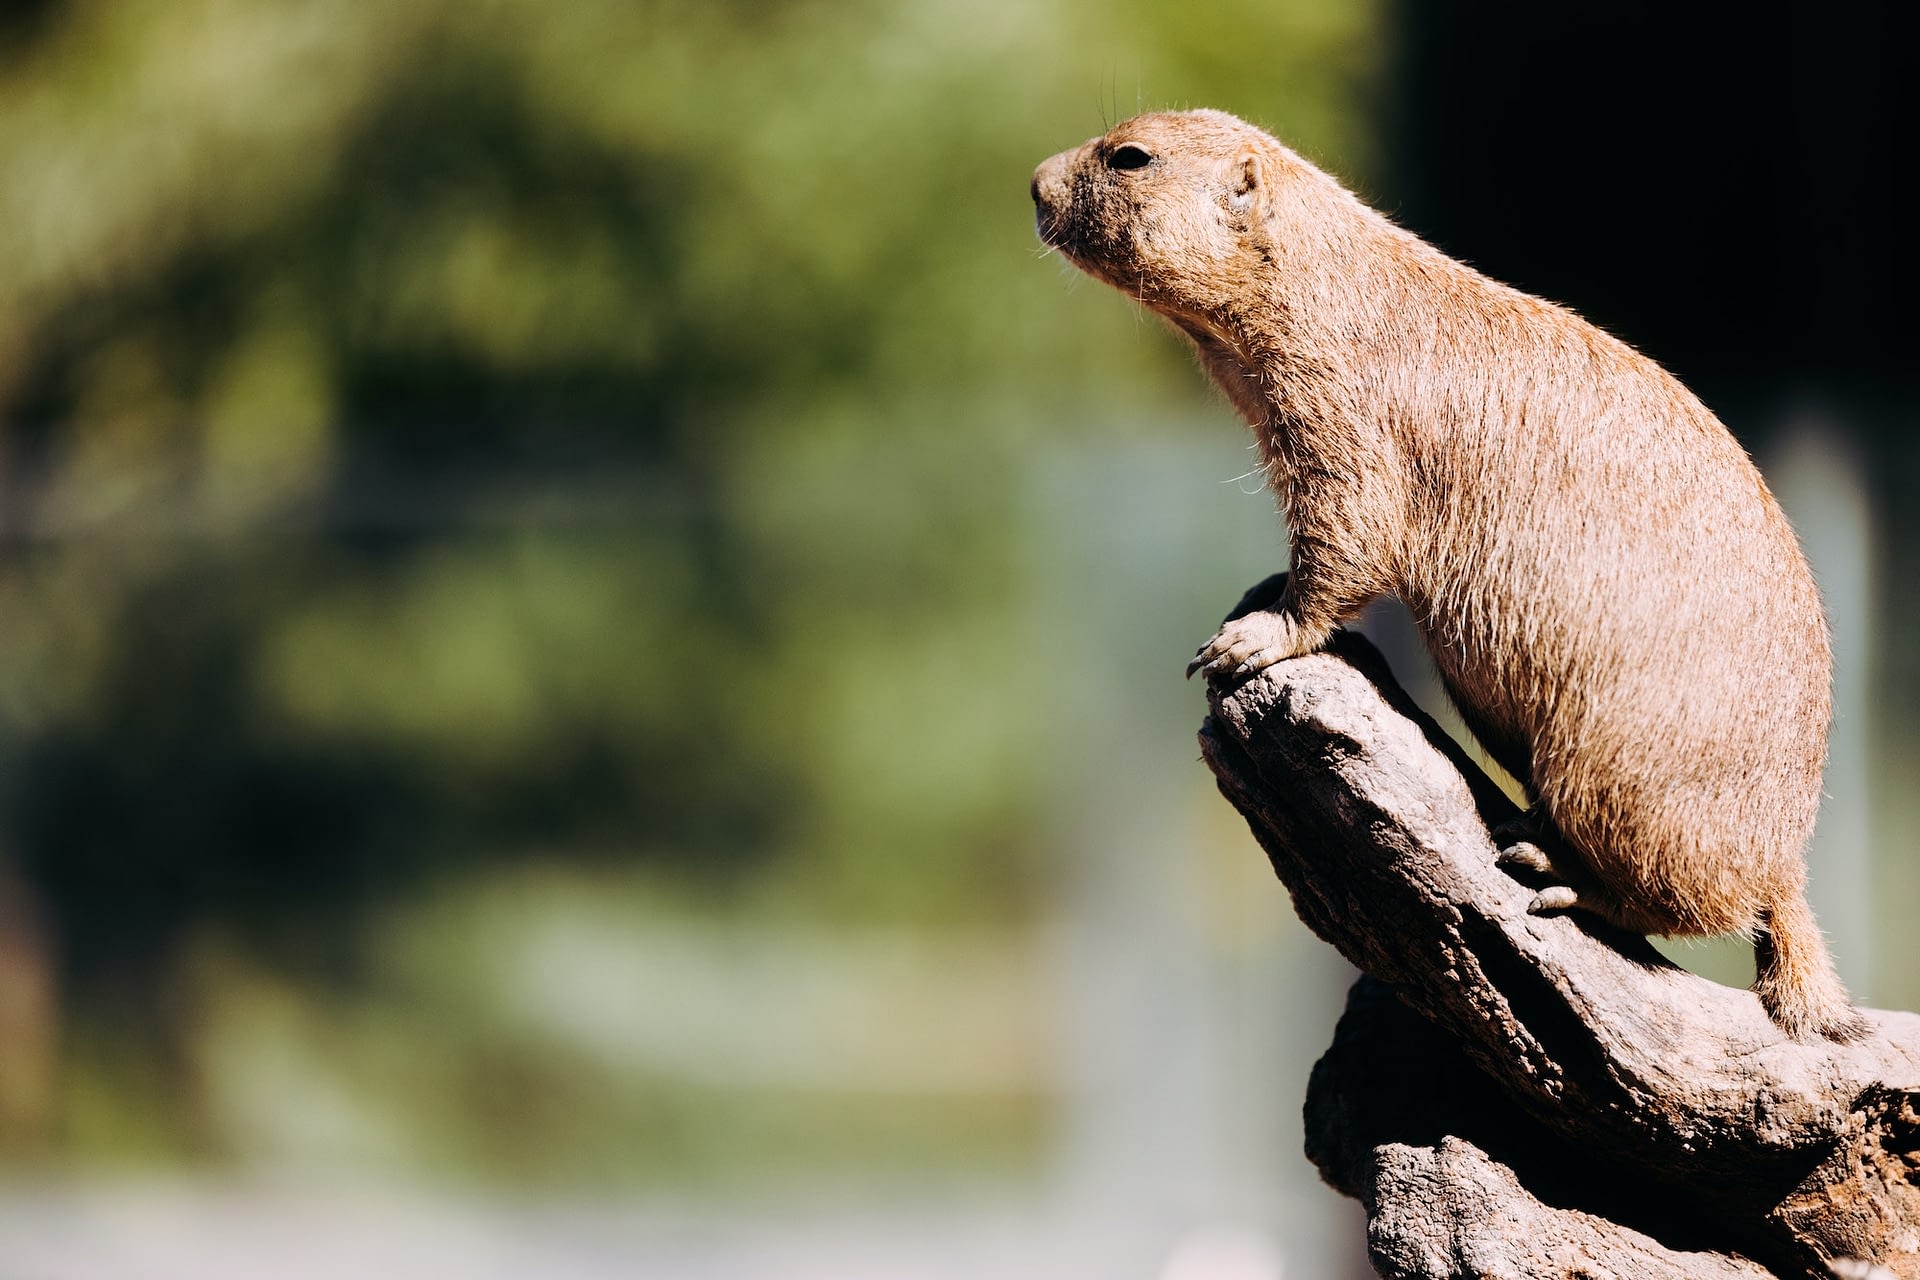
(446, 431)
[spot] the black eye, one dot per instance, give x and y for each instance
(1128, 156)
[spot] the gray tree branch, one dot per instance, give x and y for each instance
(1521, 1095)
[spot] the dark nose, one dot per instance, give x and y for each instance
(1035, 188)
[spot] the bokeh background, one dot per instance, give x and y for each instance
(590, 634)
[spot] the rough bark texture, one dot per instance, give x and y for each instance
(1523, 1095)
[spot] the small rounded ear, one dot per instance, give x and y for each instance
(1246, 181)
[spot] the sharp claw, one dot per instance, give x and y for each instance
(1252, 665)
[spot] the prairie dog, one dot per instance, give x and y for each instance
(1610, 593)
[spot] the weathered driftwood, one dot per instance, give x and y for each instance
(1523, 1095)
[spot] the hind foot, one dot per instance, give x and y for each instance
(1524, 855)
(1529, 844)
(1564, 897)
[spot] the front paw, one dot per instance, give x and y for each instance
(1248, 645)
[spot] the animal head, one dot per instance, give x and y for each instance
(1171, 208)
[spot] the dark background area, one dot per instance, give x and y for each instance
(1726, 189)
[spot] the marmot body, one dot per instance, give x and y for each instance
(1612, 597)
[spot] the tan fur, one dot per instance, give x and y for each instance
(1609, 591)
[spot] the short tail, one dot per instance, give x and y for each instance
(1796, 982)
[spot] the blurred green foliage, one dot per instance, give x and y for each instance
(591, 433)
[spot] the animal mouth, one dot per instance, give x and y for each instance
(1049, 222)
(1062, 224)
(1057, 231)
(1052, 230)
